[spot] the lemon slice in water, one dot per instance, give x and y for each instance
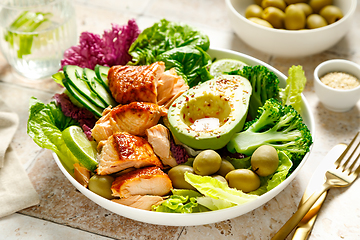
(223, 66)
(83, 149)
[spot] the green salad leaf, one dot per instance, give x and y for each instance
(189, 62)
(45, 124)
(178, 45)
(182, 201)
(295, 84)
(214, 188)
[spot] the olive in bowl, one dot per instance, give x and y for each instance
(289, 43)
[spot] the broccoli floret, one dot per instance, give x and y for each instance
(279, 126)
(264, 83)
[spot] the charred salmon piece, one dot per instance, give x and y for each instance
(133, 118)
(81, 174)
(136, 117)
(170, 86)
(123, 150)
(144, 181)
(158, 137)
(135, 83)
(140, 202)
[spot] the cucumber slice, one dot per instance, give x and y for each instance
(98, 88)
(75, 76)
(101, 74)
(97, 111)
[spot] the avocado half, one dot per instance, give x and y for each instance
(207, 115)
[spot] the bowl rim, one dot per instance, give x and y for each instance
(294, 32)
(193, 219)
(333, 61)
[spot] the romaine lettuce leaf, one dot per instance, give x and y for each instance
(295, 84)
(182, 201)
(214, 188)
(214, 204)
(45, 124)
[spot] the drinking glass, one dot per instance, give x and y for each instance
(35, 33)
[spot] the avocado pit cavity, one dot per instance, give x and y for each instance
(206, 113)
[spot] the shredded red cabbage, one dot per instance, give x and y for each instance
(85, 118)
(179, 152)
(109, 50)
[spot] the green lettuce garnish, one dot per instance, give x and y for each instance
(295, 84)
(45, 124)
(182, 201)
(178, 45)
(214, 188)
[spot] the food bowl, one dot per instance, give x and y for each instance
(337, 100)
(191, 219)
(289, 43)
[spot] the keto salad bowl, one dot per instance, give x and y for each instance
(190, 219)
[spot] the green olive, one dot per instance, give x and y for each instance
(305, 7)
(280, 4)
(101, 185)
(294, 18)
(315, 21)
(220, 178)
(331, 13)
(253, 11)
(258, 2)
(261, 22)
(207, 162)
(243, 179)
(264, 160)
(317, 5)
(274, 16)
(225, 168)
(176, 175)
(295, 1)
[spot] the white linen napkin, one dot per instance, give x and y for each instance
(16, 190)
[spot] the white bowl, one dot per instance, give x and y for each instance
(289, 43)
(337, 100)
(178, 219)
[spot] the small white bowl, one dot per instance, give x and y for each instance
(289, 43)
(337, 100)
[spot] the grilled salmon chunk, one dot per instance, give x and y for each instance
(158, 137)
(123, 150)
(140, 202)
(133, 118)
(135, 83)
(144, 181)
(170, 86)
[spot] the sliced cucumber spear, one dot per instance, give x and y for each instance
(97, 111)
(74, 75)
(101, 74)
(98, 88)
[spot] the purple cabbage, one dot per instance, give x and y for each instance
(109, 50)
(85, 118)
(179, 152)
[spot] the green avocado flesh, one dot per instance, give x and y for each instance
(207, 115)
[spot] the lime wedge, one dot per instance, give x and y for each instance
(83, 149)
(223, 66)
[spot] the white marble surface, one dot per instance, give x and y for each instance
(338, 219)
